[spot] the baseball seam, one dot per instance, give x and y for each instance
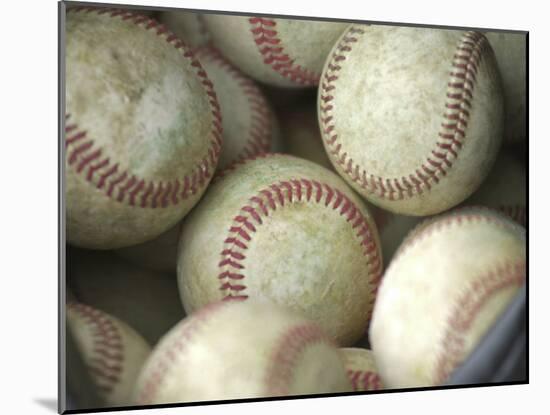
(105, 363)
(168, 354)
(244, 225)
(466, 310)
(364, 380)
(456, 114)
(259, 134)
(286, 353)
(271, 48)
(99, 170)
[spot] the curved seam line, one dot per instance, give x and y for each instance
(125, 185)
(271, 49)
(451, 136)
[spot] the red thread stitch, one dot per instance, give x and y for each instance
(166, 356)
(100, 170)
(259, 140)
(271, 48)
(269, 199)
(105, 364)
(286, 353)
(461, 84)
(364, 380)
(467, 308)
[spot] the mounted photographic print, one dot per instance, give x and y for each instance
(277, 207)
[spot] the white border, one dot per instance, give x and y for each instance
(29, 201)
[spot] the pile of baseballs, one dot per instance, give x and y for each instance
(260, 206)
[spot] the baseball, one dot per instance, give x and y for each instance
(284, 229)
(412, 118)
(249, 128)
(260, 206)
(450, 280)
(145, 299)
(112, 351)
(248, 121)
(188, 26)
(138, 156)
(227, 351)
(361, 369)
(279, 52)
(510, 51)
(504, 189)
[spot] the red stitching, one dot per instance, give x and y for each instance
(466, 310)
(270, 47)
(364, 380)
(269, 199)
(101, 174)
(259, 140)
(461, 84)
(286, 353)
(105, 365)
(167, 359)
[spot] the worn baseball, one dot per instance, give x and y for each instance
(446, 286)
(361, 369)
(284, 229)
(113, 352)
(412, 118)
(249, 128)
(505, 189)
(511, 54)
(138, 156)
(189, 26)
(145, 299)
(302, 137)
(279, 52)
(248, 121)
(227, 351)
